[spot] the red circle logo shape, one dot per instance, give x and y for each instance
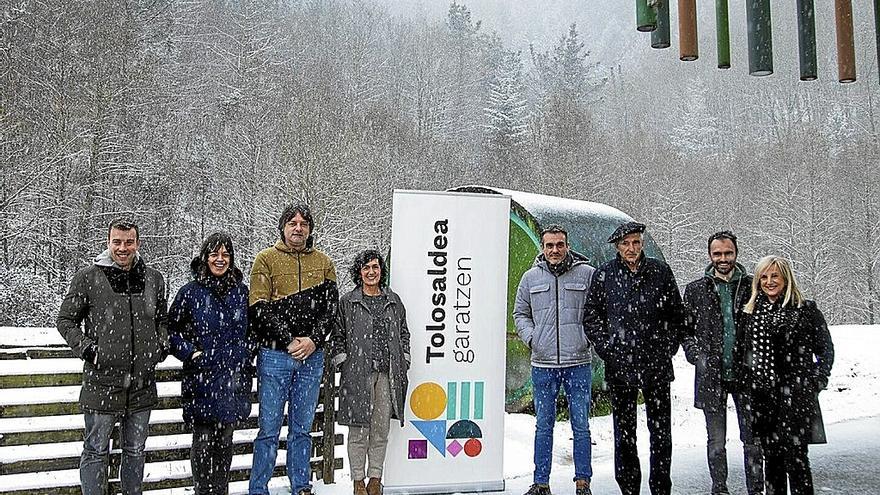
(473, 447)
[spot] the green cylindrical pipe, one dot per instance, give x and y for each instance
(760, 37)
(722, 24)
(687, 30)
(877, 32)
(846, 50)
(806, 16)
(660, 36)
(646, 16)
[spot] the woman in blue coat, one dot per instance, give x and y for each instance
(207, 328)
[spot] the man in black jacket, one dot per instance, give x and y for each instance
(714, 305)
(634, 317)
(115, 318)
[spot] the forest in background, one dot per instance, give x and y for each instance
(193, 116)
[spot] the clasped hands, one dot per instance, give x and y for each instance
(301, 348)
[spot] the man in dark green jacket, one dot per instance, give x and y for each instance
(714, 306)
(114, 317)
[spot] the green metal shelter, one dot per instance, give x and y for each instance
(588, 224)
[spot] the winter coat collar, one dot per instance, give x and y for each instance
(220, 285)
(739, 272)
(573, 258)
(639, 265)
(284, 248)
(104, 259)
(357, 295)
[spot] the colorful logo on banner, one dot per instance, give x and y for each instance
(446, 419)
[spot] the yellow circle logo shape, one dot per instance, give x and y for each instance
(428, 401)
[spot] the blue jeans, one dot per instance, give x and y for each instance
(94, 463)
(576, 381)
(284, 379)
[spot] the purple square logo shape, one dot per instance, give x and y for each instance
(454, 448)
(418, 449)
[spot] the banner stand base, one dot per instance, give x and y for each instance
(486, 486)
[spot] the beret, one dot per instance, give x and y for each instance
(626, 229)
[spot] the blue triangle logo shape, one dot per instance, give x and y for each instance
(434, 432)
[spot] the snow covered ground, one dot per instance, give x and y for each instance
(852, 394)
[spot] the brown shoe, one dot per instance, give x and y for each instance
(360, 488)
(374, 487)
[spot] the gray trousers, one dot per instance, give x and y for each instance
(716, 429)
(371, 441)
(94, 463)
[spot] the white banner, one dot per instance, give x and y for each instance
(449, 265)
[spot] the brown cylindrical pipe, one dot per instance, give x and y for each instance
(846, 51)
(687, 30)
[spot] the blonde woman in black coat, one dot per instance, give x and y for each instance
(787, 354)
(370, 344)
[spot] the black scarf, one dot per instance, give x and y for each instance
(563, 266)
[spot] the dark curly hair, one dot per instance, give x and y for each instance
(361, 261)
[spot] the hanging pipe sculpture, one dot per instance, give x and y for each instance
(806, 17)
(722, 23)
(660, 36)
(846, 51)
(877, 32)
(760, 37)
(646, 16)
(687, 30)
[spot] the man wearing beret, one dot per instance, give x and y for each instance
(635, 318)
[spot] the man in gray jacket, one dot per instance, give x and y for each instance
(115, 318)
(549, 314)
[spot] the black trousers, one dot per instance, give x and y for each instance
(627, 471)
(211, 457)
(790, 464)
(786, 459)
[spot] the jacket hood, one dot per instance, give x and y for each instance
(573, 258)
(104, 259)
(576, 257)
(739, 272)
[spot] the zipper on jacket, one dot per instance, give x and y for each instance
(130, 331)
(558, 349)
(299, 267)
(736, 298)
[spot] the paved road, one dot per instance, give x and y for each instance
(848, 465)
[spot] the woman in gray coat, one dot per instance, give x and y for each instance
(370, 345)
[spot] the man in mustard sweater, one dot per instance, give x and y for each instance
(293, 297)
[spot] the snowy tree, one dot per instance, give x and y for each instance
(697, 131)
(506, 112)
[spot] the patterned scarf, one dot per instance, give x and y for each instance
(770, 322)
